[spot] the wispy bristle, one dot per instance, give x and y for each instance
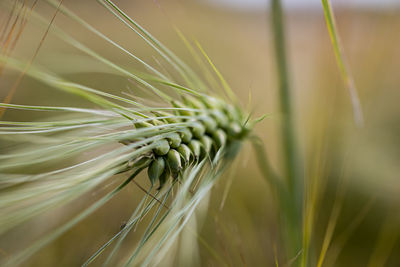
(185, 139)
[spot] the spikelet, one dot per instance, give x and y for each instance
(204, 136)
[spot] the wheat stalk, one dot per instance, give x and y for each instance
(184, 141)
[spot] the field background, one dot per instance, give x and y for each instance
(243, 231)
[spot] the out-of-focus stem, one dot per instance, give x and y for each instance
(293, 204)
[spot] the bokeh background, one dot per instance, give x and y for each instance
(358, 166)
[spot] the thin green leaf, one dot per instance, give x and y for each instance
(342, 63)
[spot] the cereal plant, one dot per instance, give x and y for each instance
(119, 149)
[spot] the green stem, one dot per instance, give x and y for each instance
(293, 204)
(284, 93)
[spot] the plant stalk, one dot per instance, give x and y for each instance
(292, 206)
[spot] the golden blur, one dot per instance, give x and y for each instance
(354, 168)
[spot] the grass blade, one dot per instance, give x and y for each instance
(342, 63)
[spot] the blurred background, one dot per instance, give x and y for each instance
(356, 169)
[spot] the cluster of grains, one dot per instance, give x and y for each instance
(211, 125)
